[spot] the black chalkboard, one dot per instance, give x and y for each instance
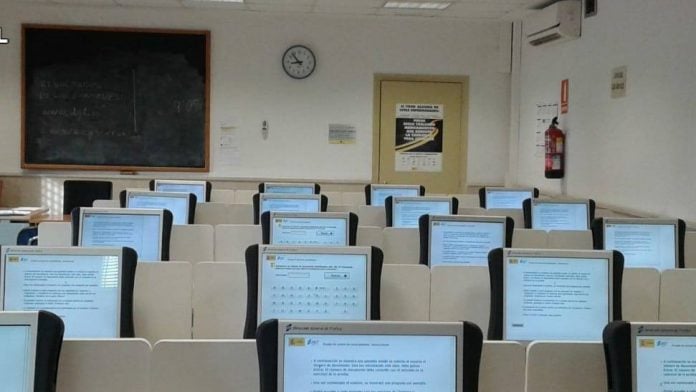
(119, 99)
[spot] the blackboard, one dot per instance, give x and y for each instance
(115, 99)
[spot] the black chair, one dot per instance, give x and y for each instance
(78, 193)
(28, 236)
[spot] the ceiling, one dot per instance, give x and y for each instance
(459, 9)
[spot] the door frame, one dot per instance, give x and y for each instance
(464, 121)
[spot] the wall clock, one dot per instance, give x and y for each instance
(299, 62)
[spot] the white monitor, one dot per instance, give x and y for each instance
(407, 210)
(18, 341)
(276, 202)
(80, 285)
(556, 294)
(198, 188)
(140, 229)
(560, 214)
(176, 202)
(309, 228)
(644, 243)
(379, 192)
(498, 197)
(293, 188)
(464, 240)
(663, 357)
(370, 356)
(314, 283)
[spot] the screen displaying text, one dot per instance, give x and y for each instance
(82, 289)
(178, 206)
(313, 286)
(380, 194)
(369, 363)
(665, 364)
(506, 199)
(556, 298)
(407, 212)
(140, 232)
(290, 205)
(643, 245)
(560, 216)
(198, 190)
(14, 358)
(309, 231)
(468, 243)
(289, 189)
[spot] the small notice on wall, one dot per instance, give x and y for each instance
(228, 153)
(545, 113)
(418, 137)
(618, 82)
(341, 134)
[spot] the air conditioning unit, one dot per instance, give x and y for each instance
(556, 23)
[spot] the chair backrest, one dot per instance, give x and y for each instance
(466, 200)
(676, 295)
(244, 196)
(162, 301)
(222, 196)
(79, 193)
(460, 293)
(372, 216)
(204, 365)
(341, 208)
(640, 298)
(370, 236)
(100, 203)
(192, 243)
(335, 198)
(690, 249)
(104, 365)
(405, 293)
(9, 232)
(401, 245)
(219, 300)
(570, 239)
(353, 198)
(566, 366)
(471, 211)
(55, 234)
(502, 367)
(529, 238)
(212, 214)
(231, 241)
(515, 214)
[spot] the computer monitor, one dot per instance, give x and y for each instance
(140, 229)
(288, 187)
(85, 287)
(464, 240)
(276, 202)
(553, 294)
(309, 228)
(405, 211)
(645, 243)
(650, 356)
(30, 344)
(317, 283)
(198, 188)
(301, 356)
(379, 192)
(499, 197)
(560, 214)
(180, 204)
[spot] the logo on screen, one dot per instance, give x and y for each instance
(513, 261)
(647, 343)
(297, 342)
(13, 259)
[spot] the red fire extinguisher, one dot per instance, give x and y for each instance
(554, 140)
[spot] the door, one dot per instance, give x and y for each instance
(421, 134)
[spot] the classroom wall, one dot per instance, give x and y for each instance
(249, 85)
(634, 152)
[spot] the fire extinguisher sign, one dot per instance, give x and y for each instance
(565, 86)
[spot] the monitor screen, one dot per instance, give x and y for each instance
(137, 229)
(314, 283)
(663, 357)
(507, 197)
(378, 192)
(17, 351)
(643, 242)
(309, 229)
(289, 203)
(81, 285)
(407, 210)
(198, 188)
(464, 240)
(556, 295)
(176, 202)
(560, 215)
(370, 356)
(293, 188)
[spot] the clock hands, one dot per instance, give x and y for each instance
(297, 61)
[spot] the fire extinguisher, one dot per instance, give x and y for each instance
(554, 140)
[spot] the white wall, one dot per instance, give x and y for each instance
(249, 86)
(634, 152)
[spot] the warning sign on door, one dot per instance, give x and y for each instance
(418, 140)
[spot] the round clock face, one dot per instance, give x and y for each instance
(299, 62)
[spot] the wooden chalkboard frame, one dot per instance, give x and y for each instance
(68, 166)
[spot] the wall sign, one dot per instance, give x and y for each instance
(418, 141)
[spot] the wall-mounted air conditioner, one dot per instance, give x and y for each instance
(556, 23)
